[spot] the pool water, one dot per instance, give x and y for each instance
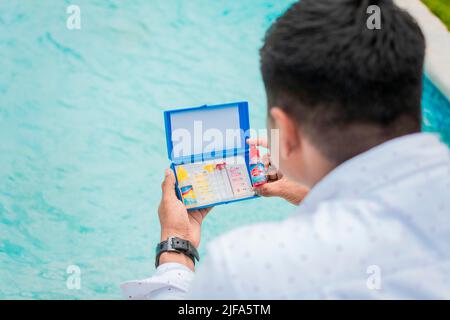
(83, 148)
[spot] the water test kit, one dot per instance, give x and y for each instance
(212, 162)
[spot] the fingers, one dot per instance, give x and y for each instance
(273, 174)
(269, 189)
(200, 214)
(205, 211)
(271, 171)
(265, 159)
(262, 142)
(168, 185)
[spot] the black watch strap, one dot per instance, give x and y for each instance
(175, 244)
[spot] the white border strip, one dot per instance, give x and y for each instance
(437, 60)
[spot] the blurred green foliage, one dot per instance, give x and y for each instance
(440, 8)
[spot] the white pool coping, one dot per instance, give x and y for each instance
(437, 59)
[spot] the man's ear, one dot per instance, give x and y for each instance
(288, 131)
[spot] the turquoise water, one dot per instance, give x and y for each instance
(82, 140)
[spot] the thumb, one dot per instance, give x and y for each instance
(168, 185)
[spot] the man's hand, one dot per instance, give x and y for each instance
(177, 222)
(278, 185)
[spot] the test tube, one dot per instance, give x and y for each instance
(224, 180)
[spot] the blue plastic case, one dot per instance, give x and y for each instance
(219, 117)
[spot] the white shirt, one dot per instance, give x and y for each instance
(376, 227)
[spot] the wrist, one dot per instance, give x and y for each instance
(166, 233)
(176, 249)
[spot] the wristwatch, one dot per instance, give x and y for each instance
(175, 244)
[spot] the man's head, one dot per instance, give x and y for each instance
(335, 88)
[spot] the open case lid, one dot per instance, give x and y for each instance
(207, 132)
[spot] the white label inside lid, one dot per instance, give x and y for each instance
(206, 130)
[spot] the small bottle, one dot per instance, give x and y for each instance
(257, 170)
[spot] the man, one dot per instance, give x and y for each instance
(376, 221)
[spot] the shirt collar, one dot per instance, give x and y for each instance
(378, 166)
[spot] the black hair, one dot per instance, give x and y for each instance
(348, 86)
